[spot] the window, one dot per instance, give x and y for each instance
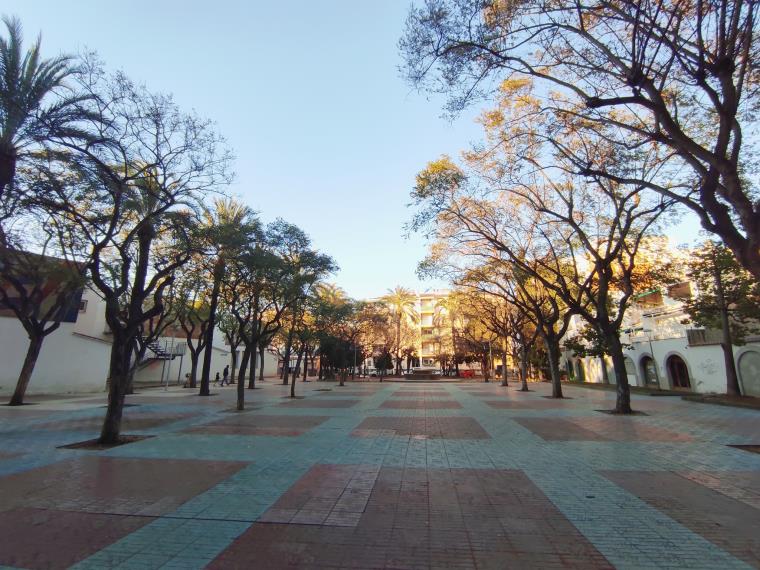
(83, 306)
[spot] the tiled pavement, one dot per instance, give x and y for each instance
(381, 476)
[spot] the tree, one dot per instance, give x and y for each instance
(143, 182)
(680, 79)
(727, 299)
(226, 231)
(576, 236)
(41, 292)
(191, 305)
(35, 106)
(402, 303)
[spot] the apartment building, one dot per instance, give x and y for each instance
(434, 326)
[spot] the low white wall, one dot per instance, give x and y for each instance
(68, 362)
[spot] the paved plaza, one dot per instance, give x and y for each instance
(387, 475)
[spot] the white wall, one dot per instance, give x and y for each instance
(221, 357)
(707, 372)
(68, 362)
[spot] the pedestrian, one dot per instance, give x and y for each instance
(216, 380)
(226, 376)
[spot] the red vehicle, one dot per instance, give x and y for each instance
(467, 373)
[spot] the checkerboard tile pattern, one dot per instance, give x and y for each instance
(382, 475)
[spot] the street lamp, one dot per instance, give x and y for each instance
(651, 354)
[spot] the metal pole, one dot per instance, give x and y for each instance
(169, 368)
(179, 372)
(651, 351)
(163, 369)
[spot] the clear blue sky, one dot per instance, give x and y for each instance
(308, 94)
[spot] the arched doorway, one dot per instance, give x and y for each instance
(678, 372)
(648, 371)
(749, 373)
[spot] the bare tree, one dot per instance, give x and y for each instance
(679, 79)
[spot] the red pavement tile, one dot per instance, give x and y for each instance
(526, 404)
(333, 495)
(419, 393)
(493, 519)
(132, 420)
(614, 428)
(743, 486)
(114, 485)
(729, 524)
(420, 404)
(440, 427)
(319, 403)
(551, 429)
(36, 538)
(260, 424)
(352, 393)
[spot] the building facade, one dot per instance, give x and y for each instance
(665, 351)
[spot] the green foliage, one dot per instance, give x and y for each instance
(716, 273)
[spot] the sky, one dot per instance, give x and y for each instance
(326, 133)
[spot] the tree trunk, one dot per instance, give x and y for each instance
(552, 349)
(305, 367)
(295, 374)
(261, 363)
(246, 358)
(206, 373)
(139, 356)
(605, 375)
(32, 352)
(398, 347)
(234, 359)
(118, 370)
(286, 358)
(241, 378)
(504, 379)
(523, 367)
(252, 378)
(623, 402)
(485, 364)
(342, 375)
(193, 369)
(732, 380)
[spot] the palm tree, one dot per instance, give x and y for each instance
(227, 229)
(27, 83)
(401, 302)
(446, 309)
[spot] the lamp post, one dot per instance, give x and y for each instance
(651, 353)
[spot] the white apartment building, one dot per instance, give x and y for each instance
(434, 326)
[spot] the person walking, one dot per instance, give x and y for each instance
(216, 379)
(226, 376)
